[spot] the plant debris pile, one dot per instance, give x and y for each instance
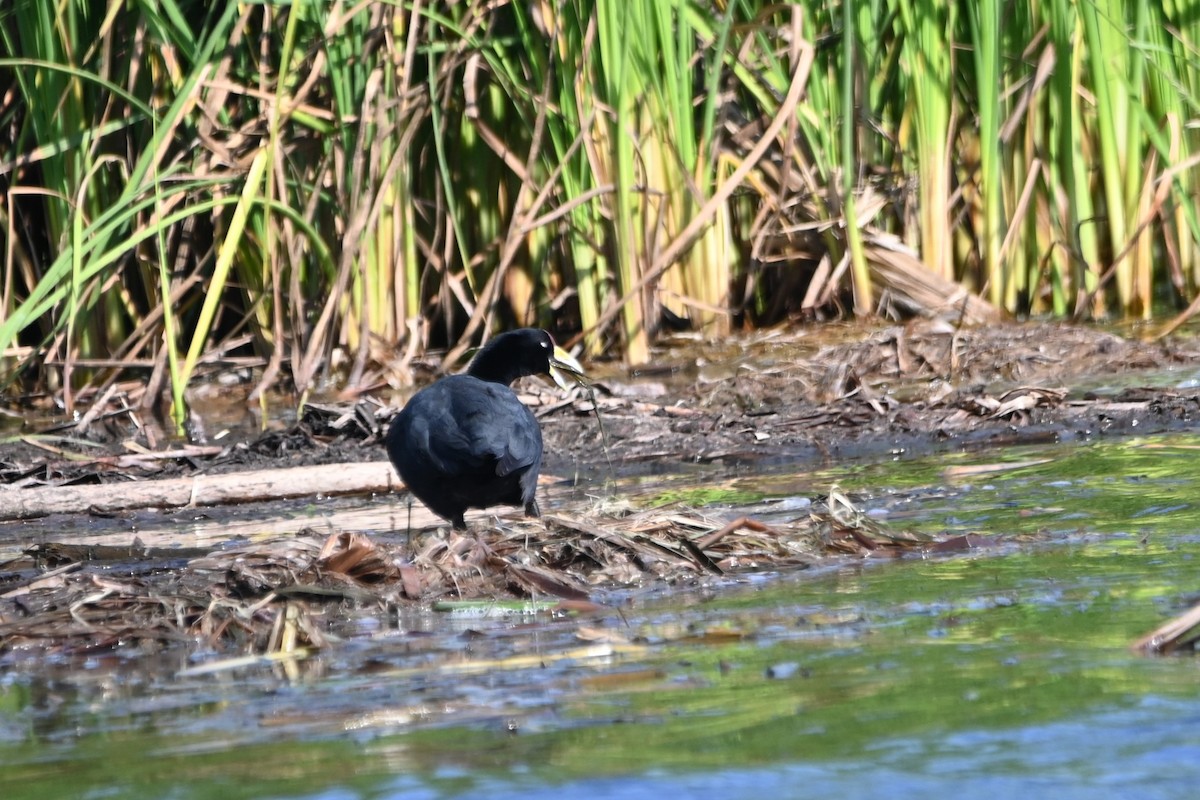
(74, 599)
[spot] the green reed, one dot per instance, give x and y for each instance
(302, 188)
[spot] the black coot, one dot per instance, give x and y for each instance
(467, 441)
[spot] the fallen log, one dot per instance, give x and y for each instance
(200, 490)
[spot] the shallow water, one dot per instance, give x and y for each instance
(1003, 671)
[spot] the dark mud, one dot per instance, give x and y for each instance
(779, 396)
(901, 390)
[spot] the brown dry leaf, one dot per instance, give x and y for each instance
(1028, 398)
(538, 579)
(410, 579)
(1015, 405)
(639, 547)
(619, 571)
(845, 529)
(357, 557)
(293, 553)
(1042, 395)
(705, 542)
(981, 406)
(52, 579)
(1013, 402)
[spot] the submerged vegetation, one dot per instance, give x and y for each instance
(319, 191)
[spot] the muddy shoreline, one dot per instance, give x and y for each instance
(900, 391)
(788, 396)
(779, 398)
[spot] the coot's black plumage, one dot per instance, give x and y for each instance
(467, 441)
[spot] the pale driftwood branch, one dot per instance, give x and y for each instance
(201, 490)
(1169, 636)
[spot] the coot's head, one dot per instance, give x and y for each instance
(528, 351)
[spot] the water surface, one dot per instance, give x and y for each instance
(1001, 671)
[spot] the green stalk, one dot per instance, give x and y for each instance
(617, 25)
(559, 59)
(444, 174)
(1078, 227)
(94, 259)
(864, 302)
(985, 21)
(202, 328)
(926, 59)
(170, 326)
(1175, 93)
(1136, 299)
(116, 215)
(1108, 53)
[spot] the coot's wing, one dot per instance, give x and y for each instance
(493, 426)
(462, 426)
(423, 439)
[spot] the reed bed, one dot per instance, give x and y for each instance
(318, 192)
